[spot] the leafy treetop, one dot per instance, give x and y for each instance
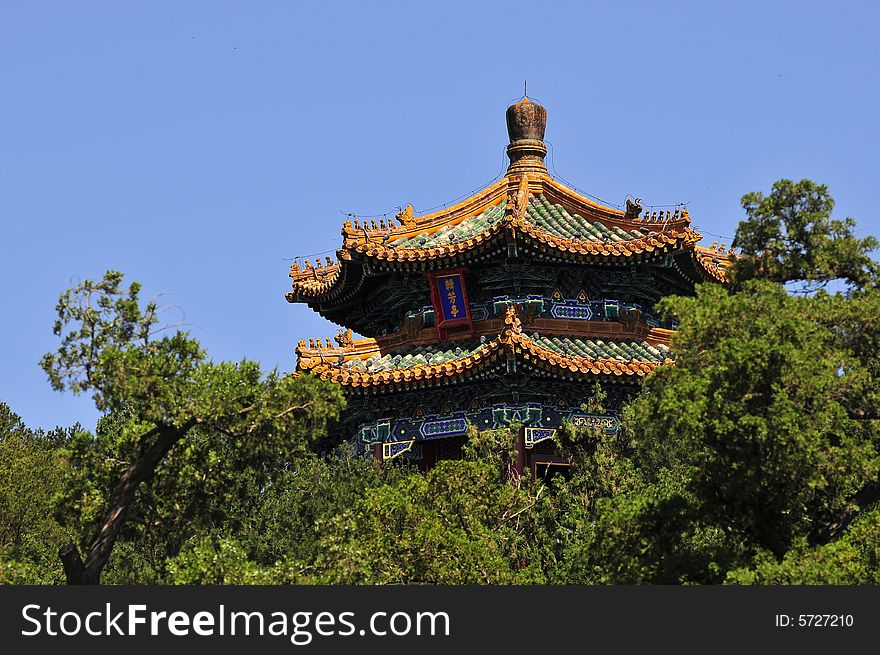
(789, 236)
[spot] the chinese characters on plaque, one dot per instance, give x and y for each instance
(449, 297)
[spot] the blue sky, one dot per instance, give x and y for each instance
(198, 146)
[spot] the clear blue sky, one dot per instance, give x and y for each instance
(197, 146)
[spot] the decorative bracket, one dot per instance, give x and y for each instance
(393, 449)
(535, 436)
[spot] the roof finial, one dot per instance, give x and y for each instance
(525, 88)
(526, 121)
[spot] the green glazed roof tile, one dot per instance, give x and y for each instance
(540, 212)
(412, 357)
(622, 351)
(556, 220)
(451, 234)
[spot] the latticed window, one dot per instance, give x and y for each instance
(450, 448)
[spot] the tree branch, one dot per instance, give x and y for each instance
(293, 408)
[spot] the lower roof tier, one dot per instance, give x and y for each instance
(363, 365)
(426, 355)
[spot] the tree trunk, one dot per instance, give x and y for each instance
(74, 570)
(144, 467)
(865, 496)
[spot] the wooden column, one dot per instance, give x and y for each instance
(520, 461)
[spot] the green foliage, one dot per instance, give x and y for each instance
(855, 323)
(30, 471)
(761, 439)
(288, 520)
(278, 536)
(649, 534)
(601, 460)
(497, 448)
(109, 347)
(853, 559)
(462, 523)
(11, 424)
(789, 236)
(225, 561)
(212, 478)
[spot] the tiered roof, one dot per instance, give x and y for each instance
(526, 213)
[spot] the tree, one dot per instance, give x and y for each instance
(224, 560)
(649, 533)
(31, 469)
(761, 443)
(204, 484)
(291, 514)
(761, 440)
(111, 347)
(789, 236)
(465, 522)
(755, 416)
(11, 423)
(764, 436)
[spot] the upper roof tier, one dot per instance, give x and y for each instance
(527, 206)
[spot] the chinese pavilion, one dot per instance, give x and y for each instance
(503, 309)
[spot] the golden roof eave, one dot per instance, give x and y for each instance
(315, 281)
(715, 263)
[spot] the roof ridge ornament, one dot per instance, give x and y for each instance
(405, 216)
(512, 321)
(345, 339)
(633, 209)
(526, 122)
(518, 200)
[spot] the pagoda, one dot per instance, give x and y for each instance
(503, 310)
